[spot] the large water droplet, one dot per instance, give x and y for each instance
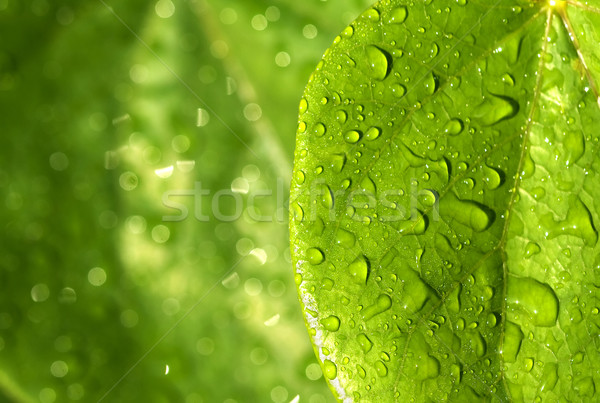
(466, 212)
(513, 336)
(532, 249)
(298, 212)
(372, 133)
(315, 256)
(331, 323)
(359, 270)
(319, 130)
(417, 225)
(495, 108)
(303, 106)
(368, 186)
(377, 66)
(398, 15)
(431, 83)
(536, 299)
(329, 369)
(574, 145)
(337, 162)
(577, 223)
(384, 302)
(352, 136)
(381, 369)
(364, 342)
(453, 127)
(549, 377)
(345, 238)
(492, 177)
(327, 196)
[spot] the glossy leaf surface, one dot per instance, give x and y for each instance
(444, 203)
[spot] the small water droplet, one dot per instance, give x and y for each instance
(574, 145)
(337, 162)
(327, 284)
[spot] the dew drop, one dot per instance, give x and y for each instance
(577, 223)
(495, 108)
(574, 145)
(331, 323)
(372, 133)
(371, 14)
(454, 127)
(398, 15)
(474, 215)
(345, 238)
(341, 116)
(377, 62)
(491, 177)
(513, 336)
(337, 162)
(327, 284)
(383, 303)
(381, 368)
(431, 83)
(303, 106)
(398, 90)
(364, 342)
(532, 249)
(348, 32)
(329, 369)
(319, 130)
(315, 256)
(536, 299)
(359, 270)
(299, 177)
(298, 212)
(352, 136)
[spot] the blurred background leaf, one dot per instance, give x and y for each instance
(108, 113)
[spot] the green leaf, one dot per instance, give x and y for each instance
(444, 206)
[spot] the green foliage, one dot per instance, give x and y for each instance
(444, 203)
(90, 275)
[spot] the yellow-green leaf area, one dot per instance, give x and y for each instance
(461, 216)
